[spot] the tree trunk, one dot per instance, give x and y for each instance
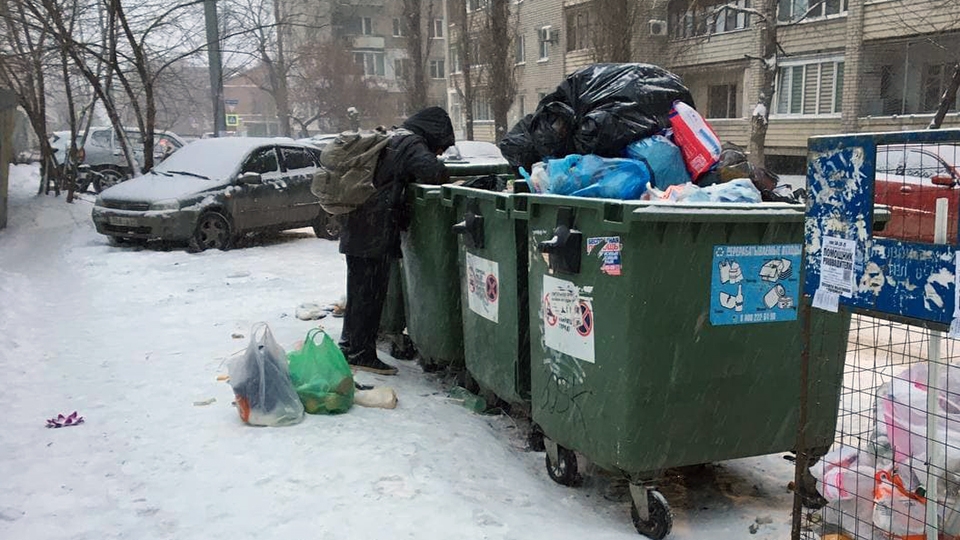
(281, 93)
(502, 83)
(760, 117)
(70, 160)
(417, 84)
(467, 93)
(613, 25)
(948, 99)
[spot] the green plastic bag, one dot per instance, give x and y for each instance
(321, 375)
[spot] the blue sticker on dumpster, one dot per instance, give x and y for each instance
(755, 284)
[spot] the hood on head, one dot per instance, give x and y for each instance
(434, 125)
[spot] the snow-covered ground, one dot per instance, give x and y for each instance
(132, 338)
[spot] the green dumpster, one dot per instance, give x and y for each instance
(667, 335)
(430, 280)
(492, 255)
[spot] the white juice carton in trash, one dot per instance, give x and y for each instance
(697, 141)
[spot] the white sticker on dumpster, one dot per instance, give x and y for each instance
(483, 287)
(568, 319)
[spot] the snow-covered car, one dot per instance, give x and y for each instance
(213, 190)
(475, 158)
(103, 154)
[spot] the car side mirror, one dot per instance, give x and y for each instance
(944, 180)
(250, 178)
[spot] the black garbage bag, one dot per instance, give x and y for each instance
(600, 109)
(490, 182)
(517, 145)
(552, 129)
(616, 104)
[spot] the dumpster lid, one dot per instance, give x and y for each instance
(719, 212)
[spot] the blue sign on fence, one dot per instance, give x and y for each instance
(755, 284)
(890, 276)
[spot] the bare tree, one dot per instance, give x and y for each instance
(418, 50)
(465, 82)
(614, 24)
(23, 64)
(327, 82)
(948, 99)
(497, 45)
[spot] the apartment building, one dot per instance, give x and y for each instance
(845, 65)
(375, 33)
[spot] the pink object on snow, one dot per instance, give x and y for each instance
(65, 421)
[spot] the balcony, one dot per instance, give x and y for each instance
(369, 42)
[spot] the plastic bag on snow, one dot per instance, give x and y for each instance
(605, 107)
(261, 382)
(663, 158)
(321, 375)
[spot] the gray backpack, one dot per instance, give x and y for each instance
(349, 162)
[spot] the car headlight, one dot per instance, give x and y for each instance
(169, 204)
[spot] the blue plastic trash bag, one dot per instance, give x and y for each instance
(664, 159)
(564, 176)
(740, 190)
(597, 177)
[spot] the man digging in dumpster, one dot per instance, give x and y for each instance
(370, 237)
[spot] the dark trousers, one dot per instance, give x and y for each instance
(367, 282)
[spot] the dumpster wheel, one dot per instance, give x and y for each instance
(659, 519)
(563, 470)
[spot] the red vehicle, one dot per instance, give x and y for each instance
(910, 179)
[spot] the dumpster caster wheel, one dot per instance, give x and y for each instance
(659, 518)
(563, 468)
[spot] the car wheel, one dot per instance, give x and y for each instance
(327, 226)
(108, 178)
(213, 232)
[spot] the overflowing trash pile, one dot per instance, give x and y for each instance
(879, 489)
(631, 131)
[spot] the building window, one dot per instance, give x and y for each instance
(521, 53)
(372, 63)
(476, 5)
(481, 111)
(366, 26)
(936, 78)
(401, 68)
(722, 101)
(455, 59)
(436, 69)
(810, 88)
(399, 29)
(793, 10)
(578, 29)
(435, 31)
(545, 42)
(692, 18)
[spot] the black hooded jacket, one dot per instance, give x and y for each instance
(373, 230)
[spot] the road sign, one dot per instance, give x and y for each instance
(233, 120)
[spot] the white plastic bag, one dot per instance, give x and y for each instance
(902, 419)
(260, 378)
(897, 511)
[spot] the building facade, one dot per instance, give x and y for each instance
(375, 33)
(845, 65)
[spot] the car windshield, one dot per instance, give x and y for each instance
(215, 159)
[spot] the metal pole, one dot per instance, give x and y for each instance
(935, 456)
(216, 68)
(803, 458)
